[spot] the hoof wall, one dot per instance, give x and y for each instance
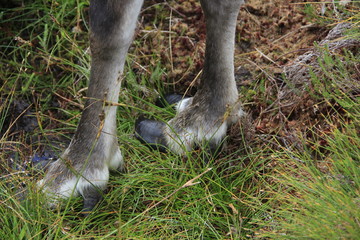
(169, 99)
(151, 132)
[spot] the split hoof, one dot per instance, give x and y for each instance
(151, 133)
(169, 99)
(42, 163)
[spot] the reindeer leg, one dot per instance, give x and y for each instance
(207, 115)
(84, 166)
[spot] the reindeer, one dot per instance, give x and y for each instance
(83, 168)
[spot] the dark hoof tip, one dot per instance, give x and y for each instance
(41, 163)
(169, 99)
(151, 132)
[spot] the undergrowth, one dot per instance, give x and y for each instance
(317, 189)
(259, 188)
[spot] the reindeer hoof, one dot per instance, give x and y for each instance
(42, 162)
(169, 99)
(151, 132)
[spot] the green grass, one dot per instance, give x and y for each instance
(260, 188)
(319, 197)
(316, 195)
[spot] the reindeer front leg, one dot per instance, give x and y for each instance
(83, 168)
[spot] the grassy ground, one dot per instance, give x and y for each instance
(291, 174)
